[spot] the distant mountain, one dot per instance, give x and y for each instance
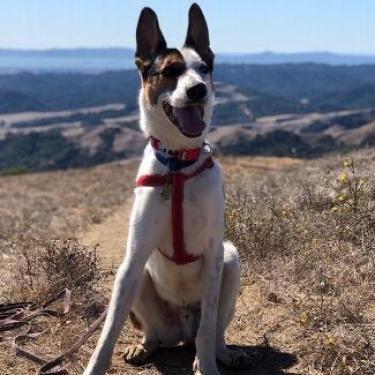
(111, 52)
(61, 91)
(12, 101)
(116, 58)
(243, 92)
(301, 110)
(296, 58)
(301, 88)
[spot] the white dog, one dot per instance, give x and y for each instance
(178, 282)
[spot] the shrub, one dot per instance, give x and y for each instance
(46, 267)
(13, 171)
(307, 237)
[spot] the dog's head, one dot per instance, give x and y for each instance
(176, 98)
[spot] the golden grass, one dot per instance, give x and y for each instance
(306, 239)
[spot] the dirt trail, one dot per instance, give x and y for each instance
(110, 236)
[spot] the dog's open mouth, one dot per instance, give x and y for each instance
(189, 119)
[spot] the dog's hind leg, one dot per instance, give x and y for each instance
(158, 321)
(230, 287)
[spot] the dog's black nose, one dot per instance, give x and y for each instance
(197, 92)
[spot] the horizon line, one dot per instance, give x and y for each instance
(47, 49)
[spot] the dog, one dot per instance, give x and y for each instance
(179, 281)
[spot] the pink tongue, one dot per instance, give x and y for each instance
(190, 120)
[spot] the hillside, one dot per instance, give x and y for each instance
(35, 141)
(62, 120)
(268, 89)
(306, 237)
(302, 135)
(65, 91)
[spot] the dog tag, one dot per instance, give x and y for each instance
(166, 191)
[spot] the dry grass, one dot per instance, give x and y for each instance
(44, 268)
(306, 236)
(307, 240)
(57, 205)
(40, 215)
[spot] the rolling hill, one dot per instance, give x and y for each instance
(80, 138)
(61, 120)
(265, 89)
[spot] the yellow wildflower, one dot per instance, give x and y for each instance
(330, 341)
(344, 178)
(342, 198)
(362, 182)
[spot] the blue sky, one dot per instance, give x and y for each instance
(345, 26)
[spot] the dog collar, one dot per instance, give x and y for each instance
(174, 160)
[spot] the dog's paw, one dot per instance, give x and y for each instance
(235, 359)
(136, 354)
(204, 368)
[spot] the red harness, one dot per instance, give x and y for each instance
(176, 181)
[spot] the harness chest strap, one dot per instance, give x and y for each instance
(177, 180)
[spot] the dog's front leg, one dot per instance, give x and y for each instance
(141, 241)
(205, 360)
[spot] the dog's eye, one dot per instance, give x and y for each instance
(153, 72)
(173, 70)
(203, 69)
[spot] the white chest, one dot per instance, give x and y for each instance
(203, 220)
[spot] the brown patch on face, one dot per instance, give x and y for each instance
(163, 75)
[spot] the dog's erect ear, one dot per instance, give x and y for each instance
(150, 40)
(197, 35)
